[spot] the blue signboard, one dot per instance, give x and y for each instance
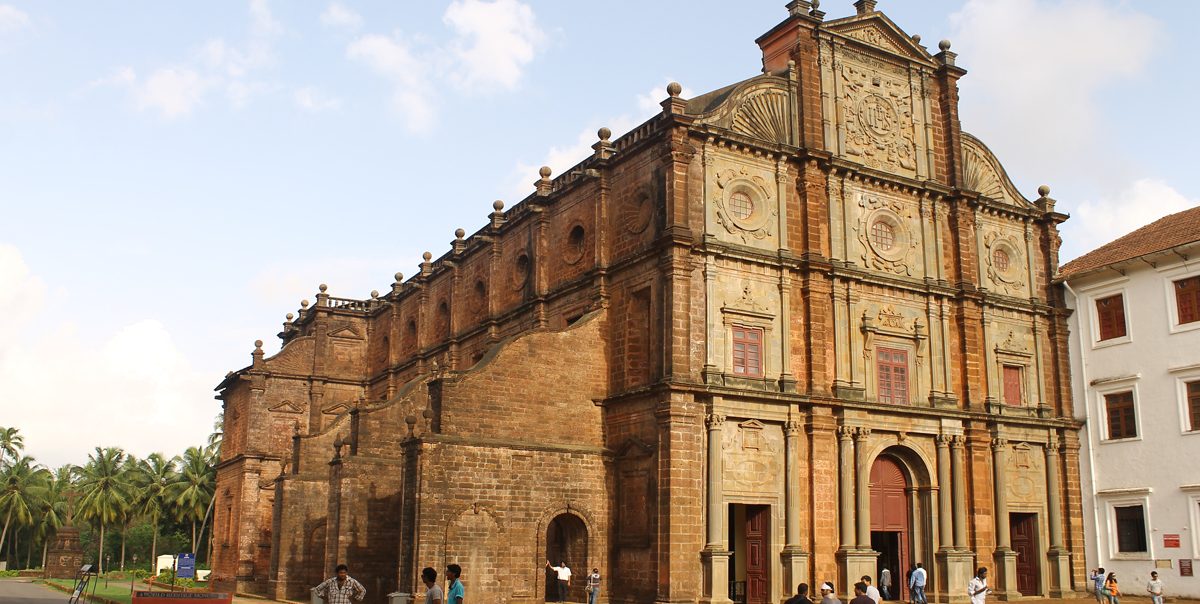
(186, 567)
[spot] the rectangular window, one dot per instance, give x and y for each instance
(1012, 385)
(893, 376)
(1131, 529)
(1193, 405)
(1111, 311)
(747, 351)
(1120, 415)
(1187, 300)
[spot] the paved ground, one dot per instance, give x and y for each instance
(24, 591)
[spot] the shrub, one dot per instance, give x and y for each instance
(8, 574)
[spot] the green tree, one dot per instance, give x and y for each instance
(11, 445)
(106, 494)
(155, 476)
(22, 492)
(192, 494)
(53, 514)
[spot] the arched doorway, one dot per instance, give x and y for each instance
(890, 532)
(567, 541)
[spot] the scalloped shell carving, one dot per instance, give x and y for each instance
(978, 175)
(764, 116)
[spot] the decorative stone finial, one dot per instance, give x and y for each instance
(458, 233)
(916, 38)
(427, 256)
(410, 420)
(544, 171)
(427, 413)
(258, 344)
(399, 277)
(674, 89)
(498, 205)
(323, 288)
(1043, 190)
(944, 45)
(304, 304)
(604, 134)
(374, 294)
(1045, 203)
(290, 316)
(865, 6)
(816, 4)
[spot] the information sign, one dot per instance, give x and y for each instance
(186, 568)
(1170, 540)
(1185, 567)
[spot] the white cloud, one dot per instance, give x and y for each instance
(496, 39)
(337, 15)
(1043, 65)
(172, 91)
(312, 99)
(12, 19)
(136, 391)
(1095, 223)
(393, 58)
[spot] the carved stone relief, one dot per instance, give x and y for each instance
(764, 115)
(1025, 470)
(876, 112)
(888, 241)
(753, 457)
(744, 203)
(1004, 260)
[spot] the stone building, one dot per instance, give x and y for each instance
(1135, 346)
(793, 330)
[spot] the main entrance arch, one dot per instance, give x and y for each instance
(567, 541)
(891, 534)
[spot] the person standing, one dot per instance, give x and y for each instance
(827, 596)
(593, 586)
(1111, 589)
(454, 587)
(1097, 578)
(977, 588)
(1155, 588)
(860, 594)
(916, 584)
(564, 578)
(870, 591)
(341, 588)
(801, 596)
(433, 591)
(885, 583)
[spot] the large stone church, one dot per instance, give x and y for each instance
(799, 329)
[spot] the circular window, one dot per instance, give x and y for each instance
(520, 272)
(573, 248)
(882, 235)
(1000, 260)
(741, 206)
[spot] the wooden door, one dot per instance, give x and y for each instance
(889, 518)
(1024, 543)
(757, 591)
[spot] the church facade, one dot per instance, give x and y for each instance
(799, 329)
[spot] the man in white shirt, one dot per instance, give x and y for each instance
(977, 588)
(564, 579)
(885, 583)
(872, 591)
(1155, 588)
(916, 585)
(433, 591)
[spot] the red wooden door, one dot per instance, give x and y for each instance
(756, 554)
(1024, 543)
(889, 515)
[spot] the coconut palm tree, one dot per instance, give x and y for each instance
(53, 514)
(11, 445)
(192, 494)
(22, 492)
(106, 494)
(154, 478)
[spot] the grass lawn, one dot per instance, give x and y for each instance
(116, 590)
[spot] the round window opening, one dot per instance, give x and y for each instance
(882, 235)
(741, 206)
(1000, 260)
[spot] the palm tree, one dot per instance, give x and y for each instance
(106, 495)
(53, 514)
(193, 493)
(11, 445)
(155, 476)
(22, 491)
(129, 473)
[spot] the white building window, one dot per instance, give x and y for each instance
(1117, 409)
(1128, 515)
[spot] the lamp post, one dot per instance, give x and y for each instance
(133, 575)
(107, 564)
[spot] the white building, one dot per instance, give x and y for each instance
(1135, 357)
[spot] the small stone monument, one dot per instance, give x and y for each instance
(65, 556)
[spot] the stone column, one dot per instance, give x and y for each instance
(795, 559)
(1006, 558)
(862, 488)
(715, 557)
(1060, 558)
(959, 488)
(846, 475)
(945, 512)
(954, 555)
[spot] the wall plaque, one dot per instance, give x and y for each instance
(1185, 567)
(1170, 540)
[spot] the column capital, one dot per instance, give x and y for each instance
(861, 434)
(793, 428)
(944, 440)
(714, 421)
(999, 445)
(958, 442)
(845, 432)
(1053, 445)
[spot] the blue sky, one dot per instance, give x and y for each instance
(174, 177)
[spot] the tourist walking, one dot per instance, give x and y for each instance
(454, 587)
(433, 591)
(1155, 588)
(593, 586)
(860, 594)
(341, 588)
(977, 588)
(1111, 589)
(801, 596)
(1097, 578)
(885, 583)
(872, 592)
(916, 585)
(564, 578)
(827, 596)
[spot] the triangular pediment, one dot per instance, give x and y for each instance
(336, 409)
(635, 447)
(346, 332)
(879, 32)
(285, 407)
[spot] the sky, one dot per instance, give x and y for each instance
(176, 177)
